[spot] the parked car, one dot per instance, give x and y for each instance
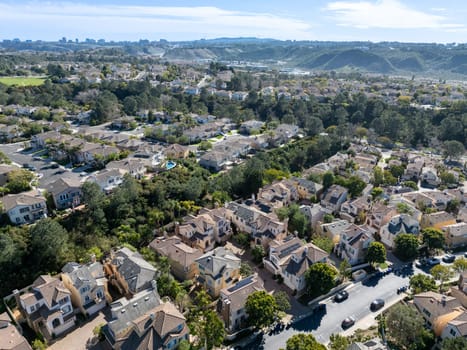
(449, 258)
(37, 158)
(433, 261)
(376, 304)
(29, 167)
(341, 296)
(348, 322)
(54, 165)
(402, 289)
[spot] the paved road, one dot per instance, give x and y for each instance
(324, 323)
(16, 154)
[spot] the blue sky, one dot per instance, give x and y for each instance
(340, 20)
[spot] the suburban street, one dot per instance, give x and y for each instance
(14, 152)
(324, 323)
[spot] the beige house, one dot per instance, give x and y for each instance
(232, 302)
(176, 151)
(182, 257)
(401, 223)
(88, 286)
(10, 337)
(279, 194)
(437, 220)
(333, 198)
(290, 258)
(455, 234)
(47, 307)
(379, 215)
(66, 192)
(25, 208)
(218, 269)
(354, 243)
(434, 307)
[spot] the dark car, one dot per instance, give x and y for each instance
(449, 258)
(54, 165)
(341, 296)
(29, 167)
(348, 322)
(58, 172)
(433, 261)
(376, 304)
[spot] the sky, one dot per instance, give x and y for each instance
(177, 20)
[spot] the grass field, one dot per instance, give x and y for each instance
(22, 81)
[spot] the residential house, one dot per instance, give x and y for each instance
(354, 243)
(88, 286)
(440, 199)
(334, 229)
(91, 153)
(239, 95)
(437, 220)
(65, 192)
(258, 220)
(379, 215)
(218, 269)
(47, 307)
(278, 194)
(401, 223)
(314, 214)
(232, 300)
(25, 207)
(8, 133)
(144, 322)
(176, 151)
(108, 179)
(215, 160)
(10, 337)
(128, 272)
(251, 127)
(205, 229)
(333, 199)
(307, 188)
(355, 209)
(291, 258)
(413, 171)
(283, 134)
(429, 177)
(437, 308)
(454, 327)
(182, 258)
(455, 235)
(134, 167)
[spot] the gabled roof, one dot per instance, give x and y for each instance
(218, 260)
(136, 271)
(89, 274)
(176, 250)
(62, 184)
(11, 338)
(11, 201)
(45, 287)
(403, 223)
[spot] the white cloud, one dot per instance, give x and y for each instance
(386, 14)
(168, 22)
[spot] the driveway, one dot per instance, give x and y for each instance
(80, 337)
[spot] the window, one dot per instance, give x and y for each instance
(24, 210)
(87, 299)
(66, 309)
(453, 332)
(426, 312)
(99, 294)
(33, 308)
(63, 301)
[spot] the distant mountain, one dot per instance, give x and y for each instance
(436, 60)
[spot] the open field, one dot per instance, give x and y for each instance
(22, 81)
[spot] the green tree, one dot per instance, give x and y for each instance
(49, 246)
(457, 343)
(184, 345)
(258, 253)
(212, 330)
(442, 274)
(328, 180)
(420, 283)
(38, 344)
(453, 149)
(406, 246)
(405, 325)
(19, 181)
(338, 342)
(245, 269)
(261, 308)
(303, 341)
(376, 253)
(433, 238)
(320, 278)
(282, 301)
(460, 265)
(204, 145)
(345, 269)
(323, 242)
